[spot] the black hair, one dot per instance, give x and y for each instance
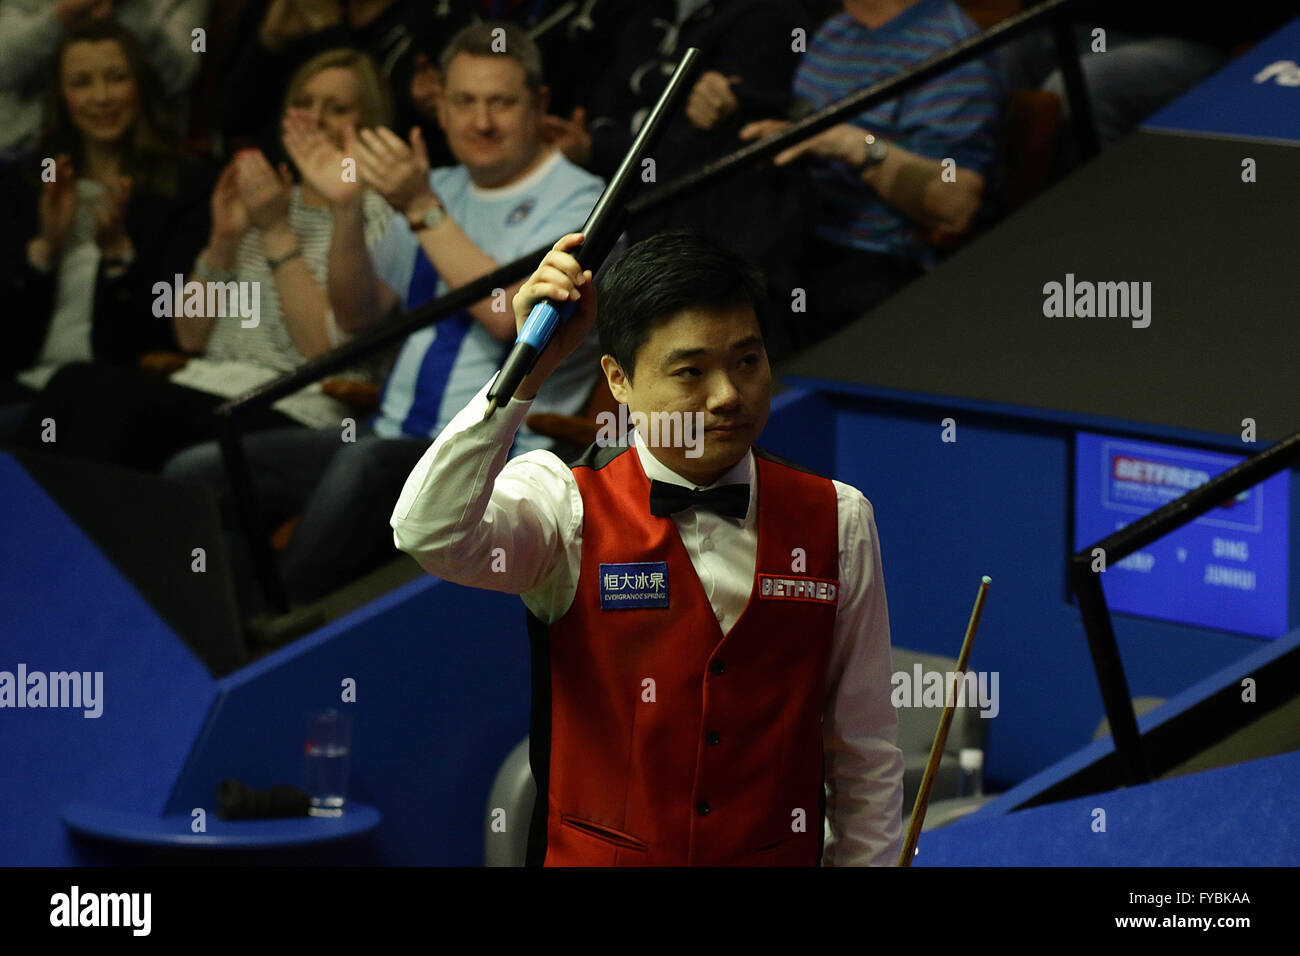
(662, 275)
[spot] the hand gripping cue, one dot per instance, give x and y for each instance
(599, 236)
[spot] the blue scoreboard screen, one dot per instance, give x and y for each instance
(1226, 570)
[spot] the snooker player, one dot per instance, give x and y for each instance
(710, 638)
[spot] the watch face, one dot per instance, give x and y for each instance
(432, 216)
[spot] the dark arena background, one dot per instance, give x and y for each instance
(1029, 283)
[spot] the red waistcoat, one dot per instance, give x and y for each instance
(654, 739)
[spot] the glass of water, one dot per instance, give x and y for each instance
(329, 741)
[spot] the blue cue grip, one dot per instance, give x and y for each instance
(542, 322)
(599, 236)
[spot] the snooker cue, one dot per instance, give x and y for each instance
(599, 237)
(941, 738)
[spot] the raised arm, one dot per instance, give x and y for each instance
(400, 173)
(303, 303)
(357, 295)
(216, 263)
(467, 516)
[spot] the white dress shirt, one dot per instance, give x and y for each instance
(463, 501)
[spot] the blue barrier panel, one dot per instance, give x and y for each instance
(999, 501)
(66, 608)
(1256, 96)
(1243, 815)
(442, 691)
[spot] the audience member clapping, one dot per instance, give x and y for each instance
(281, 35)
(510, 193)
(94, 216)
(261, 306)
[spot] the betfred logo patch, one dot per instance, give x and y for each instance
(817, 590)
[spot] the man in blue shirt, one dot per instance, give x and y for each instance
(920, 160)
(511, 194)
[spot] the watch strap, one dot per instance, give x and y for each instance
(876, 150)
(428, 219)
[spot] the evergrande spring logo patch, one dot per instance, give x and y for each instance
(638, 585)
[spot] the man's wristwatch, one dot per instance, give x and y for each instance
(877, 149)
(427, 219)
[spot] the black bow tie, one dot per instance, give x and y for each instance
(667, 498)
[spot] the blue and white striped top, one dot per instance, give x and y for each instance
(955, 115)
(440, 368)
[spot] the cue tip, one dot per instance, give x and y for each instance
(986, 579)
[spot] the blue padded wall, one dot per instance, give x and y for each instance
(998, 501)
(67, 608)
(1243, 815)
(442, 672)
(442, 683)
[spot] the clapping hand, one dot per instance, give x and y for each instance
(319, 161)
(58, 204)
(398, 172)
(264, 192)
(110, 218)
(229, 217)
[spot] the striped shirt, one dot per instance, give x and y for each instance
(955, 115)
(442, 366)
(238, 358)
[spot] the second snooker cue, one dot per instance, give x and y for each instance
(941, 738)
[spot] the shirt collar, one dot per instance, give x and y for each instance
(896, 23)
(741, 473)
(530, 181)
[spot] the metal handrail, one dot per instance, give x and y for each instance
(1115, 547)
